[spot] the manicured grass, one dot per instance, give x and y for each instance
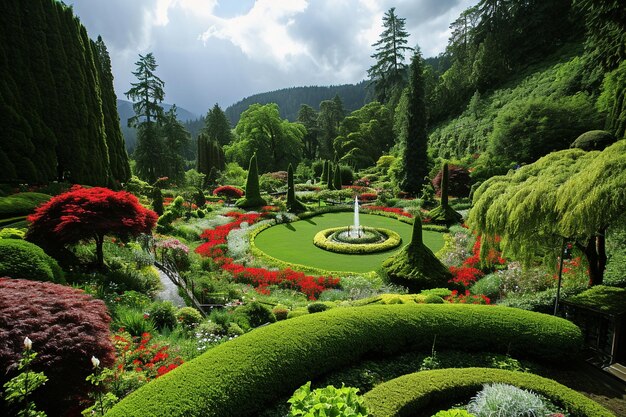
(293, 242)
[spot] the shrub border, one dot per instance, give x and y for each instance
(408, 394)
(245, 375)
(321, 241)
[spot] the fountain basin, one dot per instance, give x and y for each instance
(344, 240)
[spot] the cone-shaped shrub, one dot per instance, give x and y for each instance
(337, 178)
(253, 194)
(444, 214)
(157, 201)
(329, 177)
(416, 266)
(324, 175)
(293, 205)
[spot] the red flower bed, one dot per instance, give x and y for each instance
(494, 257)
(467, 298)
(396, 210)
(368, 197)
(259, 278)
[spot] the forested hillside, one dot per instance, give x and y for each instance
(289, 100)
(57, 104)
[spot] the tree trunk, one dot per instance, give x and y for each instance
(595, 252)
(99, 252)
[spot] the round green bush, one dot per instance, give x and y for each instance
(489, 285)
(244, 376)
(454, 412)
(163, 314)
(409, 394)
(316, 307)
(323, 239)
(188, 317)
(327, 402)
(255, 314)
(22, 259)
(280, 312)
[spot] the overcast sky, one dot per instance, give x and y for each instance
(220, 51)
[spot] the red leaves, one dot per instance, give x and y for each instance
(467, 298)
(465, 275)
(141, 355)
(82, 213)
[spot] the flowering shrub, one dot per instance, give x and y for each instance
(466, 298)
(228, 191)
(493, 257)
(142, 355)
(395, 210)
(363, 182)
(465, 275)
(366, 197)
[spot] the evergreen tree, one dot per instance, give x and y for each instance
(307, 116)
(293, 204)
(324, 171)
(118, 159)
(329, 119)
(147, 94)
(217, 127)
(337, 178)
(444, 214)
(387, 74)
(330, 178)
(176, 138)
(253, 193)
(414, 135)
(210, 158)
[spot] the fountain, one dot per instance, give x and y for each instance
(356, 229)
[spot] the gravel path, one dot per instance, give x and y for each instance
(170, 291)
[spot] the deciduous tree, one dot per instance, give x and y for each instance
(83, 214)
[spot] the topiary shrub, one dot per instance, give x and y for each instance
(243, 376)
(444, 214)
(337, 178)
(280, 312)
(410, 394)
(255, 314)
(293, 204)
(253, 193)
(316, 307)
(22, 259)
(67, 328)
(12, 233)
(415, 266)
(594, 140)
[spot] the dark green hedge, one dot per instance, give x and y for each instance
(21, 204)
(408, 394)
(22, 259)
(244, 376)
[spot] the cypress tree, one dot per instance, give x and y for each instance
(202, 165)
(324, 171)
(337, 178)
(253, 194)
(157, 201)
(329, 178)
(293, 205)
(414, 136)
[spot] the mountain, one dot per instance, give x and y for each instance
(290, 99)
(125, 110)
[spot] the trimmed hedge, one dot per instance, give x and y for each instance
(22, 259)
(408, 394)
(321, 241)
(21, 204)
(245, 375)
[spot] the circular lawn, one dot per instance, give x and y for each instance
(293, 242)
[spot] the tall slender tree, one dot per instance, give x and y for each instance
(328, 120)
(175, 138)
(387, 74)
(413, 135)
(147, 94)
(217, 127)
(307, 116)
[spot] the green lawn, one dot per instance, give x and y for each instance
(293, 242)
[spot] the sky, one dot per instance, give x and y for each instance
(221, 51)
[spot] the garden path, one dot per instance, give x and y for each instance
(169, 291)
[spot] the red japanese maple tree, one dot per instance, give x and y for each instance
(82, 214)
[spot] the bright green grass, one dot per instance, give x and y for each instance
(293, 242)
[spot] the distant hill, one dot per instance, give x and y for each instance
(289, 100)
(125, 110)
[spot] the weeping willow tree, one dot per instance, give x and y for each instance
(571, 194)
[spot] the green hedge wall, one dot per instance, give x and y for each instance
(245, 375)
(321, 241)
(408, 394)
